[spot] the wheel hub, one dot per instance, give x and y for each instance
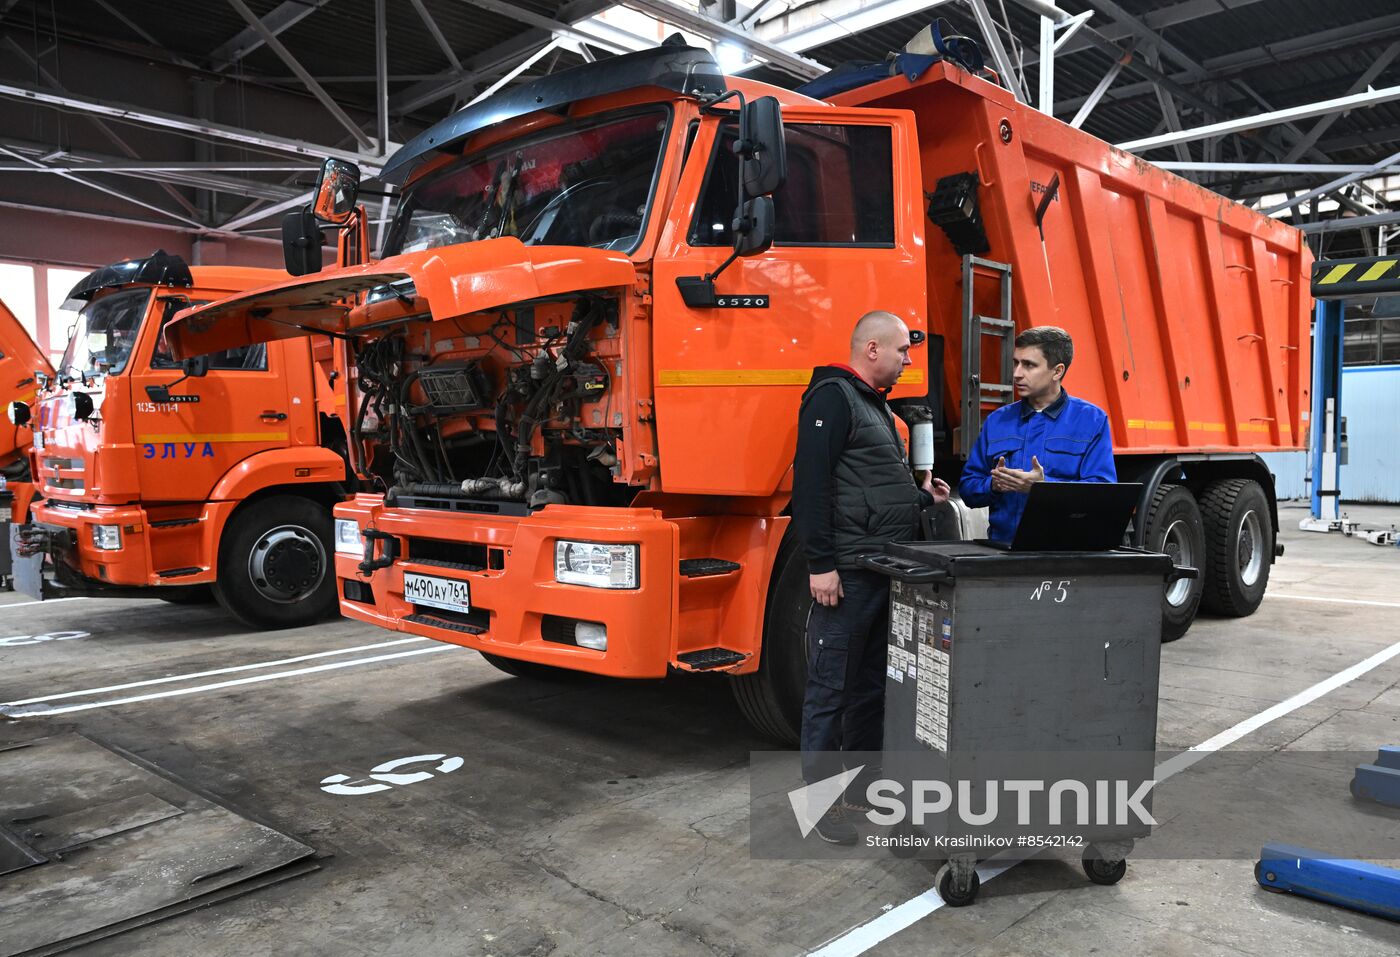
(1249, 553)
(287, 564)
(1177, 544)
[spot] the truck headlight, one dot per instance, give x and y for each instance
(347, 537)
(107, 537)
(596, 564)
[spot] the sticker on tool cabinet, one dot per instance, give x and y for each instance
(931, 698)
(902, 622)
(901, 662)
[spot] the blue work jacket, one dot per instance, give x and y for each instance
(1070, 437)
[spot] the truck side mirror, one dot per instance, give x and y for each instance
(195, 367)
(337, 190)
(762, 147)
(301, 242)
(19, 413)
(753, 227)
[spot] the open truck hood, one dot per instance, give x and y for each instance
(449, 281)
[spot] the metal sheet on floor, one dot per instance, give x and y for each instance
(118, 844)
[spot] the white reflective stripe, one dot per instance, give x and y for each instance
(46, 601)
(225, 684)
(216, 671)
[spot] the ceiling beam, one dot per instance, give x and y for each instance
(184, 124)
(280, 19)
(102, 126)
(436, 34)
(489, 62)
(816, 24)
(687, 18)
(1274, 54)
(90, 184)
(1301, 112)
(275, 45)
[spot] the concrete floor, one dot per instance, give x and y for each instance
(593, 817)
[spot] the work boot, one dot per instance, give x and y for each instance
(835, 828)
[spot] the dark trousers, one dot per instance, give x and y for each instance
(844, 707)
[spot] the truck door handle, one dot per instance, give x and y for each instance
(273, 414)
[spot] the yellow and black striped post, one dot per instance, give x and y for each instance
(1346, 278)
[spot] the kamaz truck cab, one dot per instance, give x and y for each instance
(157, 478)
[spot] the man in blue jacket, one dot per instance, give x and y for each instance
(1048, 436)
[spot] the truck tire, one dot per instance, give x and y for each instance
(770, 698)
(1239, 546)
(275, 564)
(186, 594)
(1174, 527)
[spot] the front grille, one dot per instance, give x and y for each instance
(454, 504)
(467, 556)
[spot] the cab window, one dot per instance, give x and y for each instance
(839, 190)
(245, 358)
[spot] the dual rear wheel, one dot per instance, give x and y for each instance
(1227, 534)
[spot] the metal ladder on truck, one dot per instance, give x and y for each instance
(978, 396)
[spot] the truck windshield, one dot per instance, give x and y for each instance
(587, 183)
(104, 334)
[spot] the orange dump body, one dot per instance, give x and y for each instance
(1190, 313)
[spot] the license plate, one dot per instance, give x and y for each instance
(446, 593)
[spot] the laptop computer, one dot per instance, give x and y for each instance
(1074, 516)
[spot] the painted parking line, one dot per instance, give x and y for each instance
(1339, 601)
(208, 674)
(199, 689)
(46, 601)
(862, 937)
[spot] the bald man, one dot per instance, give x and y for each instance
(852, 493)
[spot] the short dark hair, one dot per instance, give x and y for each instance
(1052, 341)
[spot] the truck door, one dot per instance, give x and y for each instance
(849, 239)
(240, 408)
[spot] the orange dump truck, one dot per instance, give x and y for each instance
(21, 363)
(578, 364)
(154, 478)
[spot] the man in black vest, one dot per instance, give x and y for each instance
(852, 493)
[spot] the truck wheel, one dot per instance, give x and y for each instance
(1174, 527)
(770, 698)
(1239, 546)
(186, 594)
(275, 566)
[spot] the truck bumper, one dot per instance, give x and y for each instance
(517, 609)
(55, 555)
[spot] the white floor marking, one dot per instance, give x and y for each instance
(46, 601)
(862, 937)
(1339, 601)
(66, 709)
(216, 671)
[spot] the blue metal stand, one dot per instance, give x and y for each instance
(1360, 886)
(1379, 782)
(1325, 423)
